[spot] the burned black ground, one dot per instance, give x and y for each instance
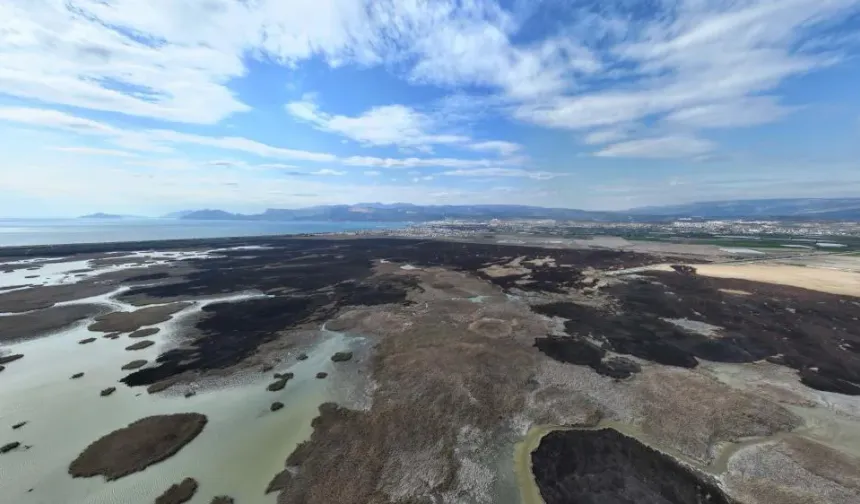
(309, 280)
(813, 332)
(605, 466)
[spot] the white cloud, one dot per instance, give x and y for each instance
(327, 172)
(503, 172)
(373, 173)
(501, 147)
(602, 136)
(385, 125)
(698, 65)
(741, 112)
(240, 144)
(162, 141)
(413, 162)
(688, 64)
(664, 147)
(94, 151)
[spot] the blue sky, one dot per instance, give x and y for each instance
(152, 106)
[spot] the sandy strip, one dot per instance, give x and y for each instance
(819, 279)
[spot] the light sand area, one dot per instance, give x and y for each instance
(807, 277)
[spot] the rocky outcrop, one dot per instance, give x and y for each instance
(321, 375)
(6, 448)
(143, 333)
(108, 391)
(341, 357)
(302, 356)
(137, 446)
(178, 492)
(18, 425)
(276, 406)
(77, 375)
(134, 364)
(279, 482)
(277, 384)
(162, 385)
(140, 345)
(86, 341)
(222, 499)
(6, 359)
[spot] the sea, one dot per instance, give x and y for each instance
(18, 232)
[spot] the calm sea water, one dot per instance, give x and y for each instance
(57, 231)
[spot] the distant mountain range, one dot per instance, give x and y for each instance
(803, 209)
(810, 208)
(399, 212)
(101, 215)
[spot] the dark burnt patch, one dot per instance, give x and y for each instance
(232, 332)
(147, 277)
(588, 466)
(642, 335)
(813, 332)
(571, 350)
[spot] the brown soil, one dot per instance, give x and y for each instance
(140, 345)
(162, 385)
(38, 298)
(134, 364)
(137, 446)
(178, 492)
(43, 322)
(143, 333)
(132, 321)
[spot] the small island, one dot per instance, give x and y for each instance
(102, 215)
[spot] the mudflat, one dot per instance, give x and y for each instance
(44, 322)
(137, 446)
(134, 320)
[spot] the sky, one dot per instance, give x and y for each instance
(152, 106)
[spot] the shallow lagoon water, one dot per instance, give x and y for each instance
(241, 448)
